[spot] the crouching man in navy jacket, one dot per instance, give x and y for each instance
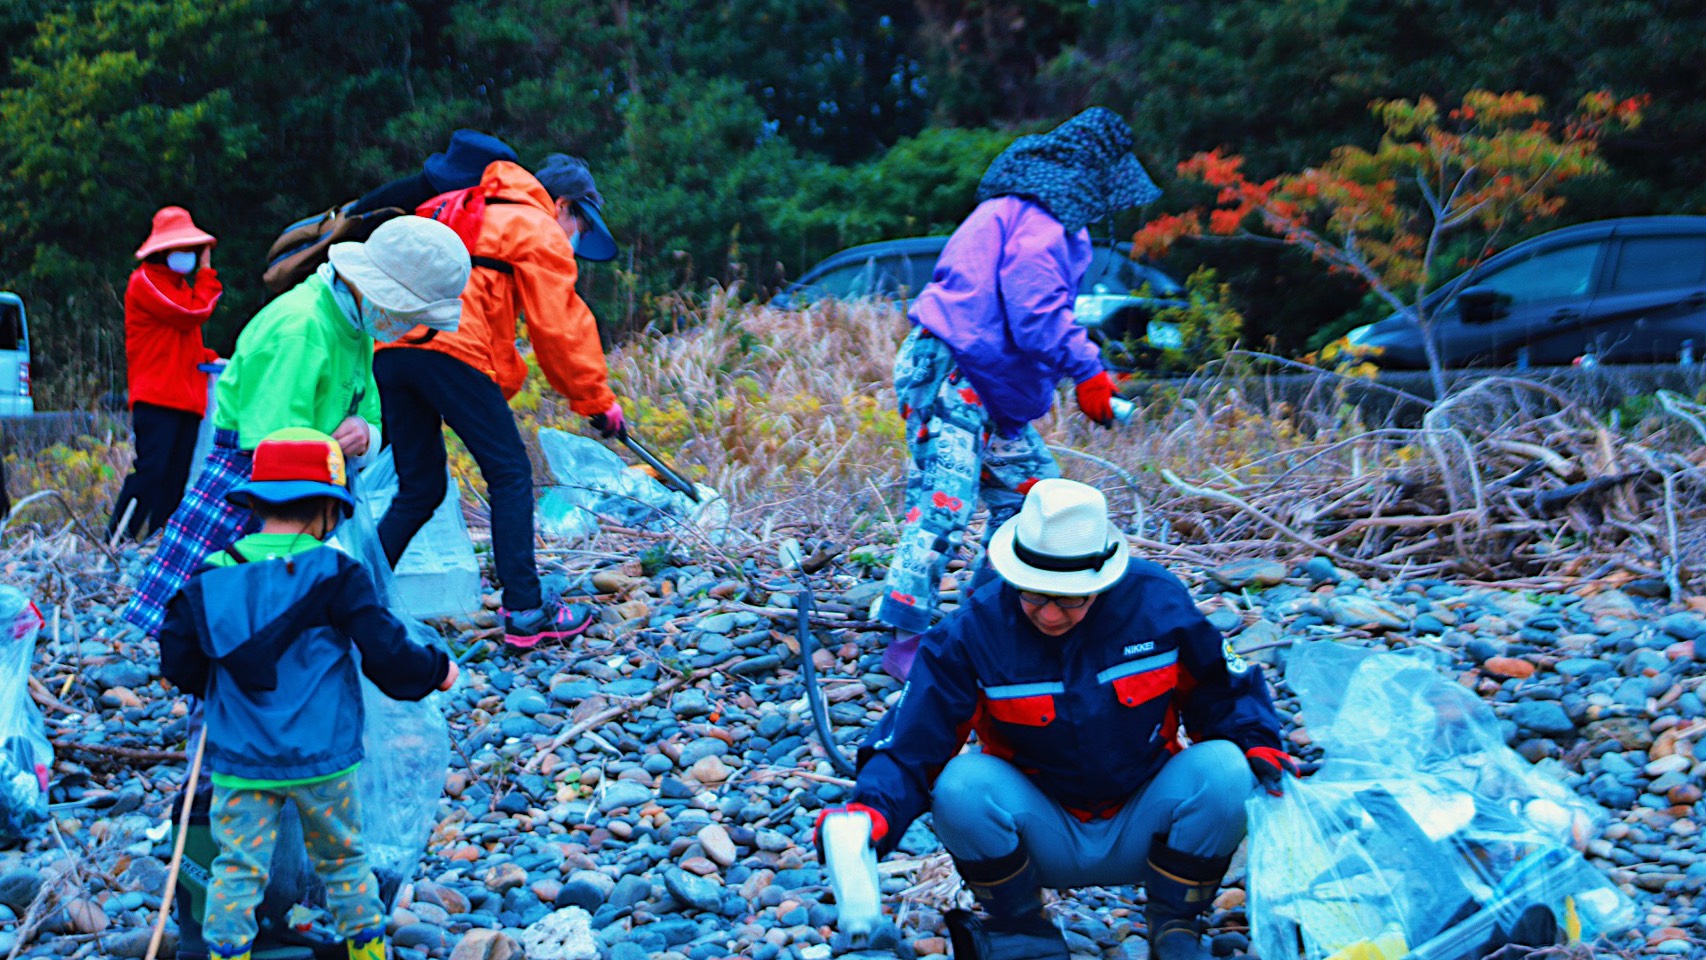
(1080, 670)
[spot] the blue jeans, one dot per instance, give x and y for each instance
(957, 457)
(984, 808)
(422, 391)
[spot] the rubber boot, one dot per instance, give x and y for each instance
(1181, 888)
(227, 952)
(1010, 891)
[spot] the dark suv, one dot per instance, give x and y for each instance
(1108, 302)
(1620, 291)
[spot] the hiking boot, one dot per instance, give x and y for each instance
(525, 628)
(899, 654)
(1181, 888)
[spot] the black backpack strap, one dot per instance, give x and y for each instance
(231, 552)
(493, 263)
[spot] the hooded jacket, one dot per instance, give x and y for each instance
(298, 363)
(520, 228)
(274, 647)
(1090, 717)
(1002, 298)
(163, 314)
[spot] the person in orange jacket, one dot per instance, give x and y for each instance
(170, 295)
(534, 226)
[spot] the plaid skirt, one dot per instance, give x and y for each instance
(204, 523)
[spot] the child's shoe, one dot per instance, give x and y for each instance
(219, 951)
(369, 946)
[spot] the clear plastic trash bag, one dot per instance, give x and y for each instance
(593, 480)
(438, 574)
(1422, 835)
(26, 757)
(406, 744)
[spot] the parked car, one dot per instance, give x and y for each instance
(1620, 291)
(15, 398)
(1109, 299)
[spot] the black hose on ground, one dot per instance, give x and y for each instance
(814, 693)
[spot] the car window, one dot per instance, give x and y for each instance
(1118, 273)
(11, 327)
(850, 280)
(1552, 275)
(1659, 263)
(922, 266)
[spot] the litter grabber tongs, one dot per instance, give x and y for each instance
(666, 474)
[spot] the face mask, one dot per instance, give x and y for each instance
(575, 240)
(181, 261)
(382, 325)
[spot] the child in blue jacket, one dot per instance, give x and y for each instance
(268, 634)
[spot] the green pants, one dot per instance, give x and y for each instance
(245, 824)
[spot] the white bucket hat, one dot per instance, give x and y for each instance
(1061, 542)
(412, 268)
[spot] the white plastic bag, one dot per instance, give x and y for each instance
(25, 754)
(1422, 835)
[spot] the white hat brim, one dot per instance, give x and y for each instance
(1069, 583)
(353, 262)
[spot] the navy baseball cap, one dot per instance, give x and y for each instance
(566, 177)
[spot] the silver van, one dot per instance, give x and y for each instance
(15, 399)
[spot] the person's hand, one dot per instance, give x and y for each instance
(1096, 398)
(879, 823)
(450, 678)
(206, 260)
(1270, 766)
(351, 436)
(610, 423)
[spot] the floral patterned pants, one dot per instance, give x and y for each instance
(957, 457)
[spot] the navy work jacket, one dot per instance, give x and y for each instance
(1090, 717)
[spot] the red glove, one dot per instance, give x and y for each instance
(1095, 398)
(879, 823)
(609, 423)
(1269, 766)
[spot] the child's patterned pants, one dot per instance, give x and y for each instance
(245, 824)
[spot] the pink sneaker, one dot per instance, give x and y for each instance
(525, 628)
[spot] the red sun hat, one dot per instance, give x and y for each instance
(173, 229)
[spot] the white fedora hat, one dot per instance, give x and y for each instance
(1060, 542)
(413, 267)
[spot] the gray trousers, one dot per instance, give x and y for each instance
(983, 808)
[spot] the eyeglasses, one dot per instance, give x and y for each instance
(1044, 599)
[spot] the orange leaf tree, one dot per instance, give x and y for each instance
(1384, 215)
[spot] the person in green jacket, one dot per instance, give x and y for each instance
(306, 360)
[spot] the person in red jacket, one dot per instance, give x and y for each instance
(170, 295)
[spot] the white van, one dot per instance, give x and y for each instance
(15, 399)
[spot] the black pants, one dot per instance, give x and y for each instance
(164, 439)
(421, 391)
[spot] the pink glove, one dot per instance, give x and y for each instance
(610, 423)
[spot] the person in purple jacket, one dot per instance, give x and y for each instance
(993, 333)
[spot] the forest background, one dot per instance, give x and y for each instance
(742, 141)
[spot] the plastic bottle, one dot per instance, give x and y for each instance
(1685, 356)
(852, 864)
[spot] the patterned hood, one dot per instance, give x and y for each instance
(1081, 171)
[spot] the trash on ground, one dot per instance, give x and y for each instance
(25, 755)
(1422, 835)
(592, 481)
